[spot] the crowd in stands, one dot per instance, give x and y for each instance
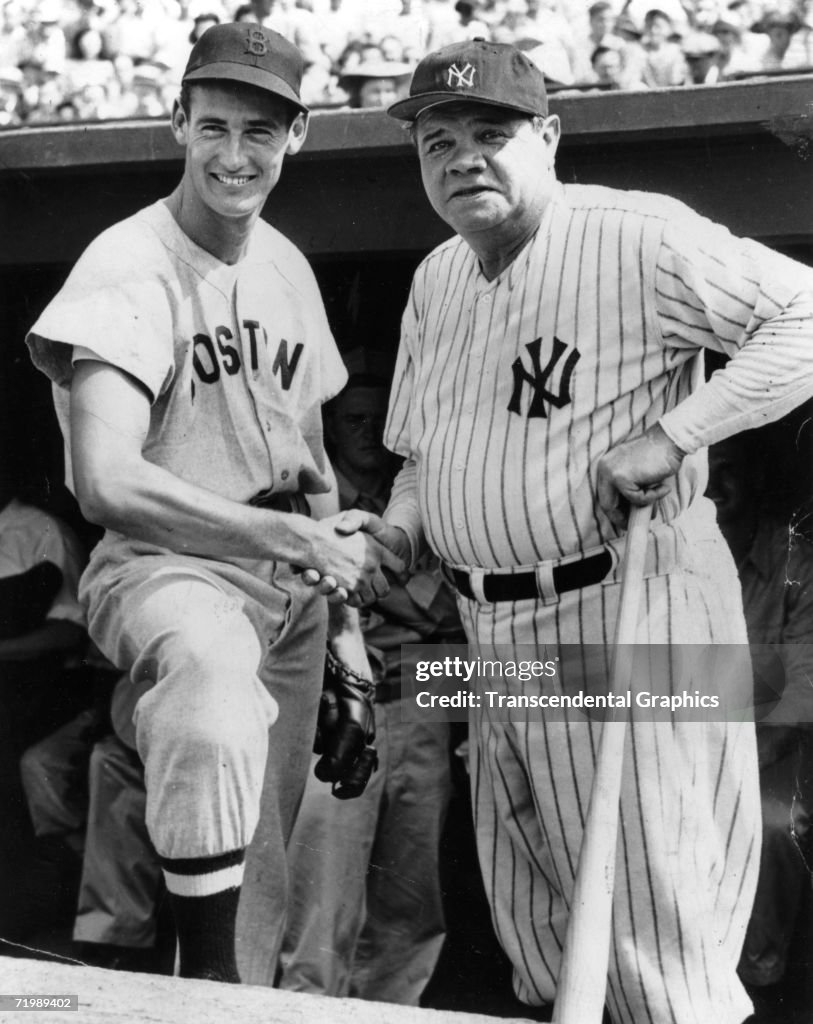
(66, 60)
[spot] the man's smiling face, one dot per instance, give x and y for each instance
(485, 168)
(236, 138)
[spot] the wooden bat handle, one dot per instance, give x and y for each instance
(582, 983)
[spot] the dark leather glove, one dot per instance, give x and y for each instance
(345, 731)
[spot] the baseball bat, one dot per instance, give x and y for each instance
(582, 983)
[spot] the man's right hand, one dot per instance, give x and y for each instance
(348, 563)
(356, 523)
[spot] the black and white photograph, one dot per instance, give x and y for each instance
(406, 511)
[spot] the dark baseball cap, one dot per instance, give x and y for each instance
(250, 54)
(479, 71)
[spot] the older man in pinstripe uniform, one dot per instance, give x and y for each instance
(550, 373)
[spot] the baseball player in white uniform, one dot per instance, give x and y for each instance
(191, 355)
(550, 372)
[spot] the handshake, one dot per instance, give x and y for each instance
(351, 554)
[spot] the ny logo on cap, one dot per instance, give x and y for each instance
(461, 79)
(256, 43)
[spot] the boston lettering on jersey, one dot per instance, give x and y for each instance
(211, 357)
(537, 378)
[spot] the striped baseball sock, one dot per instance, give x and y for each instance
(204, 892)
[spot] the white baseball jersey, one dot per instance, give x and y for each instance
(237, 359)
(507, 392)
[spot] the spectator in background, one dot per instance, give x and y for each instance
(11, 97)
(633, 54)
(46, 44)
(665, 64)
(358, 53)
(740, 50)
(608, 70)
(13, 36)
(780, 29)
(376, 83)
(41, 625)
(636, 11)
(90, 62)
(800, 51)
(702, 52)
(600, 34)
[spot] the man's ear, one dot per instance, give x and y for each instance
(551, 133)
(297, 133)
(180, 124)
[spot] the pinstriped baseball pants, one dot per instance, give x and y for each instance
(689, 833)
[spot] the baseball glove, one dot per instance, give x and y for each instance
(345, 731)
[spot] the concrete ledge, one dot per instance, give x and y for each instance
(117, 997)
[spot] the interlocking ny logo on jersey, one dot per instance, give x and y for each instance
(256, 43)
(538, 377)
(461, 79)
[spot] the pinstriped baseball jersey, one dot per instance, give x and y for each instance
(507, 392)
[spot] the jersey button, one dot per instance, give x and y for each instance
(284, 474)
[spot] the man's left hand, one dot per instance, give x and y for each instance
(635, 473)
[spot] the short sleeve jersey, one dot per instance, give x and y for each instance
(237, 359)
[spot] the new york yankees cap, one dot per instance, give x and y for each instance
(250, 54)
(479, 71)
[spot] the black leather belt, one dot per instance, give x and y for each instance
(286, 501)
(522, 586)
